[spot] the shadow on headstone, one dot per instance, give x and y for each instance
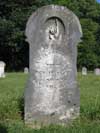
(3, 129)
(21, 107)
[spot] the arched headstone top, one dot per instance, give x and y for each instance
(60, 23)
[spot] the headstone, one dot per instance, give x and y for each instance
(2, 69)
(84, 71)
(52, 94)
(26, 70)
(97, 71)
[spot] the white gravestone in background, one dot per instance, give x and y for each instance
(2, 69)
(84, 71)
(97, 71)
(26, 70)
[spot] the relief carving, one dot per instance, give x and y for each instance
(54, 30)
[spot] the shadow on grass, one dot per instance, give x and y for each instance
(3, 129)
(21, 107)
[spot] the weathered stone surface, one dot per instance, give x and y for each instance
(52, 94)
(84, 71)
(2, 69)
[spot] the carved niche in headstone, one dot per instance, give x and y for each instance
(52, 94)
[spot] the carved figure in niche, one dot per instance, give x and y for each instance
(53, 30)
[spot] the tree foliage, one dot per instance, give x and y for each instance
(14, 15)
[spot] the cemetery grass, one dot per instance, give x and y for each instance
(11, 106)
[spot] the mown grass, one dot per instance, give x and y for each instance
(11, 106)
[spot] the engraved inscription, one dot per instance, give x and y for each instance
(51, 70)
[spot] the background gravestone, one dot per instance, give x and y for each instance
(26, 70)
(97, 71)
(2, 69)
(52, 94)
(84, 71)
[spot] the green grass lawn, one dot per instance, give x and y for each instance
(11, 106)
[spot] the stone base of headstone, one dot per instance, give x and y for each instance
(47, 120)
(57, 117)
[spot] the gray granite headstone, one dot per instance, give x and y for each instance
(97, 71)
(84, 71)
(52, 94)
(26, 70)
(2, 69)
